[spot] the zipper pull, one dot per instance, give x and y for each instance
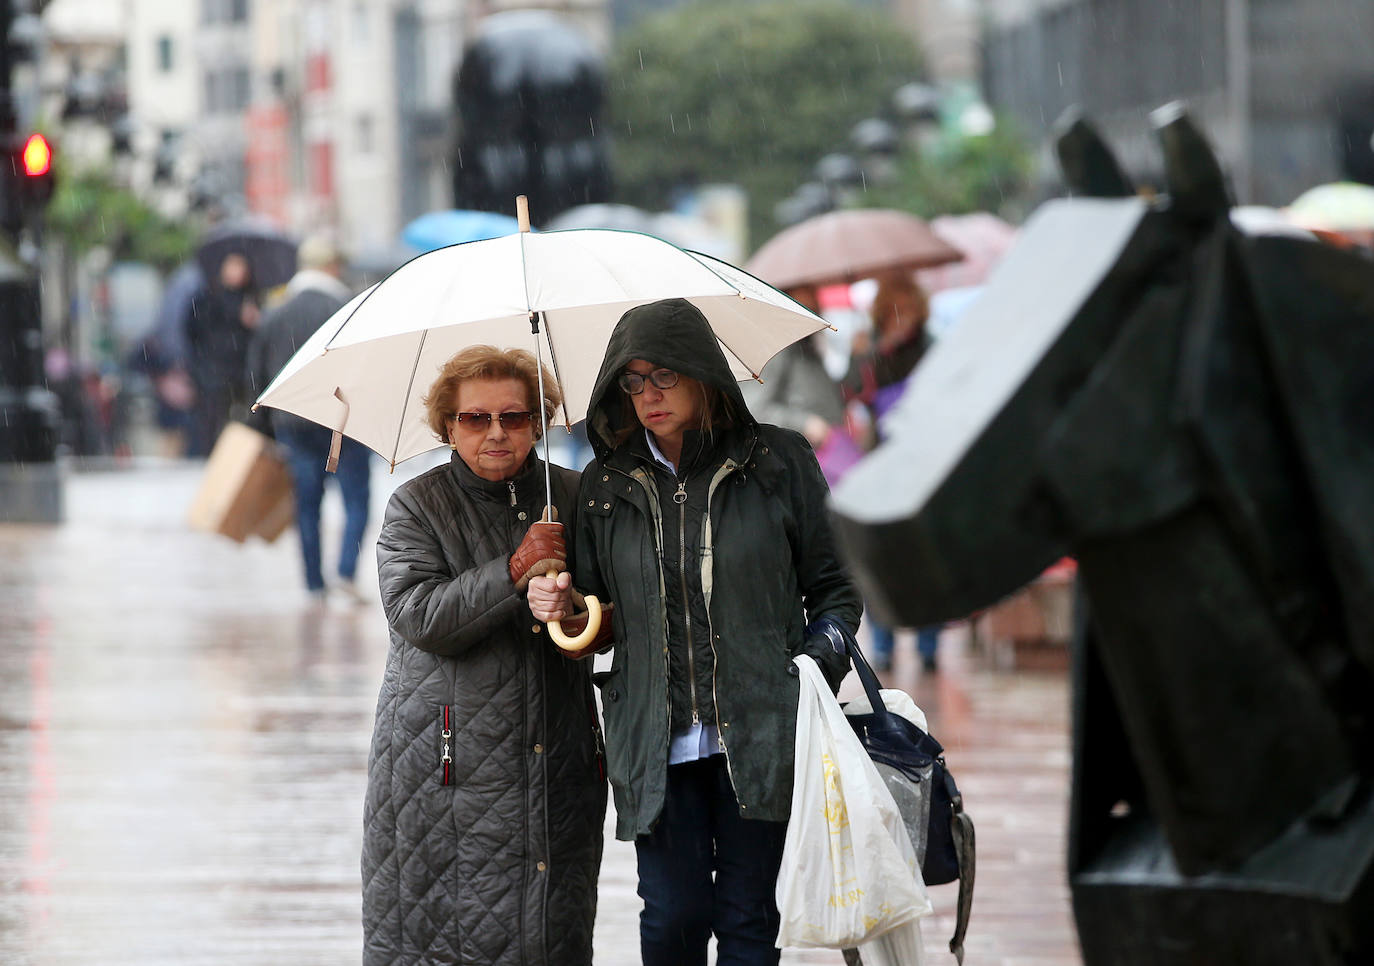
(511, 485)
(681, 495)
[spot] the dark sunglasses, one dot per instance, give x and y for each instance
(479, 422)
(633, 382)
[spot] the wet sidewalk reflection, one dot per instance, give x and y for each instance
(183, 744)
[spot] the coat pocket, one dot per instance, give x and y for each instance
(446, 744)
(616, 713)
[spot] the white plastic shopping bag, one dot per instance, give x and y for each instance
(849, 872)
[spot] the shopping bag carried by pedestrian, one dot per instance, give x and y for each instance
(912, 765)
(849, 871)
(246, 488)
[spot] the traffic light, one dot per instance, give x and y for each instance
(27, 180)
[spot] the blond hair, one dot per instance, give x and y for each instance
(489, 362)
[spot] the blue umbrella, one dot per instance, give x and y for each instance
(439, 229)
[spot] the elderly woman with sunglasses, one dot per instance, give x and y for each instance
(709, 532)
(486, 792)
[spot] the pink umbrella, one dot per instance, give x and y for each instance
(983, 238)
(844, 246)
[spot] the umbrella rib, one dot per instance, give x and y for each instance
(328, 343)
(737, 356)
(738, 293)
(557, 372)
(405, 406)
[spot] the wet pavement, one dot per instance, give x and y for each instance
(183, 744)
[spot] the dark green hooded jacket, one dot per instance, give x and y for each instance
(766, 565)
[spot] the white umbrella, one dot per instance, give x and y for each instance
(365, 372)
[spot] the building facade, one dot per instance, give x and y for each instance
(320, 114)
(1278, 84)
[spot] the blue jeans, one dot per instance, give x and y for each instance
(883, 641)
(703, 869)
(306, 452)
(927, 642)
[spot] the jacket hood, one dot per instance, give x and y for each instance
(671, 333)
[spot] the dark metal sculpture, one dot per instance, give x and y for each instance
(1188, 411)
(530, 94)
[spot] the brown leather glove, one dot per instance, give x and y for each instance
(604, 639)
(542, 550)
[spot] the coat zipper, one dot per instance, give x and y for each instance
(708, 546)
(446, 756)
(510, 484)
(680, 498)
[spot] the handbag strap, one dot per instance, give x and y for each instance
(962, 827)
(870, 682)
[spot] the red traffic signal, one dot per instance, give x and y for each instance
(26, 182)
(36, 156)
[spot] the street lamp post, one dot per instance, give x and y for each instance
(30, 480)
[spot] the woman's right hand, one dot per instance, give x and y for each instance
(550, 598)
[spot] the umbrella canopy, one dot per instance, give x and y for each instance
(271, 252)
(1338, 206)
(845, 246)
(439, 229)
(365, 371)
(982, 237)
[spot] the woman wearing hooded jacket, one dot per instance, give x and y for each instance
(486, 792)
(709, 533)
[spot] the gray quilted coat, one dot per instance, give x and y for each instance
(488, 854)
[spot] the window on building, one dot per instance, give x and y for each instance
(227, 90)
(241, 88)
(164, 54)
(224, 11)
(210, 92)
(361, 27)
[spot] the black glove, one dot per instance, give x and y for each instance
(827, 641)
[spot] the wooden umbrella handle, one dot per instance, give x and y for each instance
(588, 633)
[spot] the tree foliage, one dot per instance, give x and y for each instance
(988, 172)
(89, 209)
(747, 92)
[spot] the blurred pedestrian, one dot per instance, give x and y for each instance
(314, 293)
(880, 362)
(709, 532)
(882, 358)
(798, 393)
(220, 329)
(486, 792)
(163, 355)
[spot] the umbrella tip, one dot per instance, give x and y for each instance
(522, 212)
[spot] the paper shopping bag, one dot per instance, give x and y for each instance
(246, 489)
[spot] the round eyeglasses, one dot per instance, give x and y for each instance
(479, 422)
(633, 382)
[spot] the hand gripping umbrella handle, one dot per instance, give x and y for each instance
(588, 633)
